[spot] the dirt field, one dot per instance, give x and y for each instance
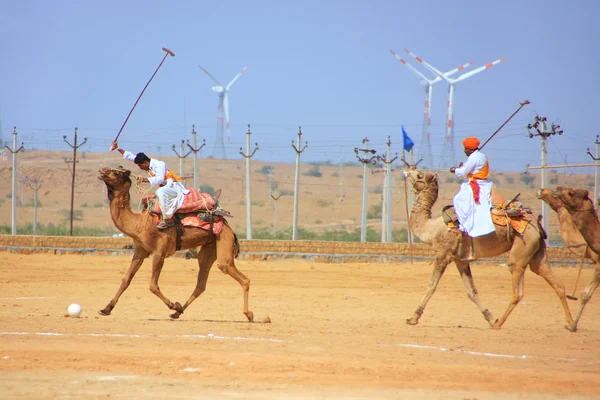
(337, 332)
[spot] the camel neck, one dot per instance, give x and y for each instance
(124, 219)
(421, 210)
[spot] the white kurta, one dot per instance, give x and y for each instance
(170, 194)
(475, 219)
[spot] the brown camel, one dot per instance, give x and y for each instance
(581, 210)
(524, 250)
(161, 244)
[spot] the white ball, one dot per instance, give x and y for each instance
(74, 310)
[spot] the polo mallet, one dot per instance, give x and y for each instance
(572, 297)
(523, 103)
(167, 53)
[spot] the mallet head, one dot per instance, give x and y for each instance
(169, 52)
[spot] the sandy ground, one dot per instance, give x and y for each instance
(338, 331)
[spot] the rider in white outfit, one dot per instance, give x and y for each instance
(171, 192)
(473, 210)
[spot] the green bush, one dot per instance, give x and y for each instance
(527, 178)
(314, 171)
(206, 188)
(336, 235)
(58, 230)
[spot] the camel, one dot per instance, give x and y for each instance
(523, 250)
(581, 210)
(148, 239)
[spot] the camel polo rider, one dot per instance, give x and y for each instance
(171, 192)
(473, 202)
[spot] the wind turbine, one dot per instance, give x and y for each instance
(425, 143)
(222, 111)
(449, 140)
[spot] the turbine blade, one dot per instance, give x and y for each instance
(413, 69)
(210, 76)
(478, 70)
(236, 77)
(429, 67)
(458, 69)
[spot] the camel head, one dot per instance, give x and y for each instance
(574, 199)
(115, 179)
(419, 179)
(546, 195)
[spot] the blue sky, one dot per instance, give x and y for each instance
(324, 65)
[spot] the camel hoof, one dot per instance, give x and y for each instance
(412, 321)
(177, 307)
(175, 315)
(571, 328)
(266, 320)
(250, 316)
(104, 312)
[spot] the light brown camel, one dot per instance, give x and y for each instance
(581, 210)
(524, 250)
(161, 244)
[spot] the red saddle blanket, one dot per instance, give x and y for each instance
(193, 201)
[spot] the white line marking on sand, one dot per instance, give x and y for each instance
(27, 298)
(125, 335)
(476, 353)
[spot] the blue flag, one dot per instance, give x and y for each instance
(408, 142)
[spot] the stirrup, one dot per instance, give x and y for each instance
(164, 224)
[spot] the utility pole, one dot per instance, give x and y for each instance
(196, 150)
(298, 151)
(35, 185)
(14, 152)
(596, 158)
(387, 192)
(365, 161)
(275, 194)
(248, 156)
(270, 180)
(341, 173)
(182, 156)
(540, 126)
(74, 146)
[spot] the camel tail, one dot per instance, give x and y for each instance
(236, 242)
(541, 228)
(236, 246)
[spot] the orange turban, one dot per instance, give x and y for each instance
(471, 143)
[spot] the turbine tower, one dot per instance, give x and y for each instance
(424, 150)
(222, 113)
(448, 157)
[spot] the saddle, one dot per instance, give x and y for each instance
(199, 210)
(510, 213)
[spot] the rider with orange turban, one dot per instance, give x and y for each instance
(473, 201)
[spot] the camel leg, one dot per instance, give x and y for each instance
(517, 271)
(136, 262)
(586, 295)
(540, 266)
(158, 261)
(226, 263)
(438, 270)
(467, 277)
(206, 258)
